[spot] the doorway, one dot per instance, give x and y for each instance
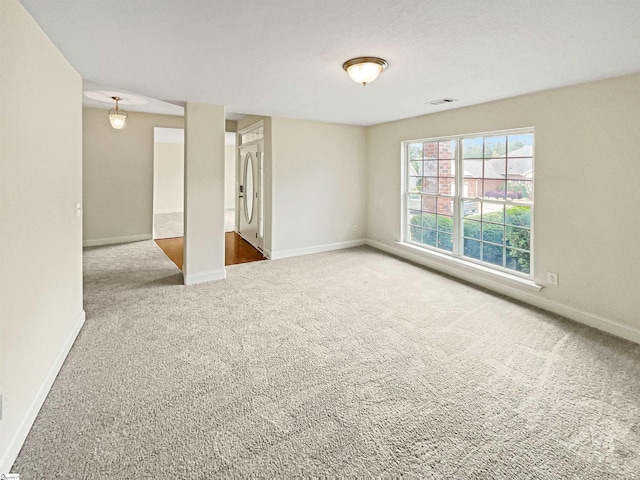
(168, 182)
(237, 249)
(250, 201)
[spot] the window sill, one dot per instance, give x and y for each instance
(465, 270)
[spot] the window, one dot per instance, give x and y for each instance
(472, 197)
(252, 135)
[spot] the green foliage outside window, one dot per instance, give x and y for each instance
(510, 233)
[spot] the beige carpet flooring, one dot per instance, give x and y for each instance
(348, 363)
(168, 225)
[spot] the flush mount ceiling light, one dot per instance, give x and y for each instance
(364, 69)
(117, 117)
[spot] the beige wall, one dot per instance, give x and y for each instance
(229, 177)
(168, 177)
(118, 176)
(586, 167)
(319, 185)
(204, 193)
(40, 234)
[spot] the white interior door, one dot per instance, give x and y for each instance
(249, 194)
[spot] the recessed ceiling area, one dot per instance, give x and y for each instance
(96, 95)
(285, 58)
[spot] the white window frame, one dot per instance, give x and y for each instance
(458, 198)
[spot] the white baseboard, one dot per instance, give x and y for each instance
(591, 319)
(9, 456)
(168, 210)
(317, 249)
(114, 240)
(580, 316)
(192, 279)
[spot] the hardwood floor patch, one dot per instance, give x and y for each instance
(236, 250)
(173, 248)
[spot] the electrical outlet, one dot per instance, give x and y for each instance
(355, 227)
(552, 278)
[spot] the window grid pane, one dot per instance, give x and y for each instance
(430, 228)
(495, 202)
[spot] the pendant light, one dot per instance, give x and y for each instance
(117, 117)
(364, 69)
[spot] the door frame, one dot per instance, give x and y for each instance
(258, 181)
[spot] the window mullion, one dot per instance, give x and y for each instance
(404, 217)
(457, 206)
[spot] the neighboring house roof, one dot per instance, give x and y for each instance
(519, 166)
(493, 168)
(526, 151)
(519, 162)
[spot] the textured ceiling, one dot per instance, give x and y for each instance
(284, 57)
